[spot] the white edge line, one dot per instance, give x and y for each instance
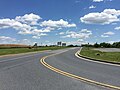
(76, 54)
(42, 60)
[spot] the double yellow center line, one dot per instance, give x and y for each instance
(42, 60)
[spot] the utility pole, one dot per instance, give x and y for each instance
(88, 46)
(41, 44)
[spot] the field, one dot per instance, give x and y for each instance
(24, 50)
(99, 55)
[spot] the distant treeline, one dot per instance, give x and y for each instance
(35, 46)
(104, 45)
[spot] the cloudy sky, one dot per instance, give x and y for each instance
(49, 21)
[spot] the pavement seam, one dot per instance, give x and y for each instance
(42, 61)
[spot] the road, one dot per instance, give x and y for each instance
(25, 72)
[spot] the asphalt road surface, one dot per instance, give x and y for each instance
(25, 72)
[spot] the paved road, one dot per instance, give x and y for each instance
(95, 71)
(25, 72)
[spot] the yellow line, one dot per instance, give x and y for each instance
(42, 60)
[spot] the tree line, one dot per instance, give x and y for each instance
(103, 44)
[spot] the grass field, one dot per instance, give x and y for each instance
(24, 50)
(107, 56)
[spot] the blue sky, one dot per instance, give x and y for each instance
(49, 21)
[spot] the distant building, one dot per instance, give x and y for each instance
(63, 44)
(59, 43)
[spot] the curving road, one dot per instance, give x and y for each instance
(25, 72)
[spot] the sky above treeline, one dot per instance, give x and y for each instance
(49, 21)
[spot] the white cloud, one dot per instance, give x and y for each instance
(91, 7)
(77, 42)
(113, 23)
(80, 40)
(29, 25)
(11, 23)
(111, 42)
(57, 24)
(40, 32)
(23, 29)
(35, 37)
(10, 40)
(4, 39)
(25, 32)
(106, 17)
(98, 0)
(109, 33)
(61, 33)
(77, 1)
(25, 41)
(85, 31)
(47, 29)
(47, 41)
(104, 36)
(117, 28)
(112, 12)
(43, 30)
(83, 34)
(7, 38)
(28, 19)
(101, 0)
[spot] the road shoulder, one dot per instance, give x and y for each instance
(77, 54)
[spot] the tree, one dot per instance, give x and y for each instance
(96, 45)
(30, 47)
(71, 45)
(35, 46)
(106, 45)
(116, 44)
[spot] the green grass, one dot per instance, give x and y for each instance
(107, 56)
(25, 50)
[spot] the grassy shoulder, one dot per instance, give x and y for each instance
(25, 50)
(106, 56)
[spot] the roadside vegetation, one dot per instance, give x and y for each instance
(99, 55)
(104, 44)
(5, 51)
